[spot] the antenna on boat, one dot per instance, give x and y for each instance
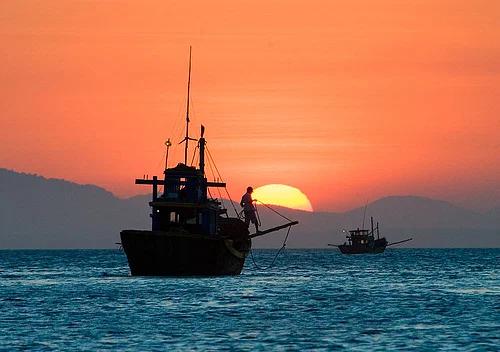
(168, 144)
(187, 138)
(202, 150)
(364, 215)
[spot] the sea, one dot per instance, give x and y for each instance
(293, 300)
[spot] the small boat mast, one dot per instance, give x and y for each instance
(187, 138)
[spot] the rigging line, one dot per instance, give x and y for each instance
(218, 173)
(195, 154)
(162, 162)
(283, 216)
(220, 194)
(177, 128)
(276, 256)
(210, 162)
(238, 215)
(211, 159)
(232, 203)
(258, 216)
(192, 113)
(220, 197)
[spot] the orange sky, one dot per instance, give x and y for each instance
(346, 100)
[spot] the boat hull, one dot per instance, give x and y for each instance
(156, 253)
(378, 247)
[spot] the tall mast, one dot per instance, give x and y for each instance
(186, 139)
(187, 110)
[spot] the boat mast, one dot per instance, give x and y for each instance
(187, 109)
(186, 139)
(364, 215)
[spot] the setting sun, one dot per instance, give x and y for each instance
(282, 195)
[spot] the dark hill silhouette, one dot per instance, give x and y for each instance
(417, 212)
(431, 223)
(36, 212)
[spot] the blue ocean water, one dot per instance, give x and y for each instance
(404, 299)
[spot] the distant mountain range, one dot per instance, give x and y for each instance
(40, 213)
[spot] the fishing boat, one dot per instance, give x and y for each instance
(362, 241)
(192, 233)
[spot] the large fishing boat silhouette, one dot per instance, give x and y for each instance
(191, 233)
(363, 241)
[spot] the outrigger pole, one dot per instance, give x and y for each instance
(391, 244)
(289, 224)
(260, 233)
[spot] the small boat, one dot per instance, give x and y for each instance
(363, 241)
(191, 234)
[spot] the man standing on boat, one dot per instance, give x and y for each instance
(249, 209)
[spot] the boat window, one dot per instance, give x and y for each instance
(192, 221)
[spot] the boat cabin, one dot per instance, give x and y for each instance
(184, 207)
(361, 237)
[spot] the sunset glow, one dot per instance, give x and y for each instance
(282, 195)
(346, 100)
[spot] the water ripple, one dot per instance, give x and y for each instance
(404, 299)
